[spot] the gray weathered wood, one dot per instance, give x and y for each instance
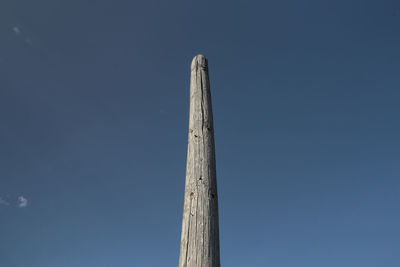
(200, 231)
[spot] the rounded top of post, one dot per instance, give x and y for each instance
(199, 61)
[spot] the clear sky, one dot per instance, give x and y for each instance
(94, 99)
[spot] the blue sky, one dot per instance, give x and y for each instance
(94, 112)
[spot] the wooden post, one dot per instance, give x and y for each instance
(200, 232)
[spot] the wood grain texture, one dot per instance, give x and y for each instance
(200, 230)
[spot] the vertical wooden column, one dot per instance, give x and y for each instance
(200, 230)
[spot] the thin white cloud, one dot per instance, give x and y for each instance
(22, 202)
(28, 41)
(16, 30)
(4, 202)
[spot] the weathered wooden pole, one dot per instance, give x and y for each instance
(200, 231)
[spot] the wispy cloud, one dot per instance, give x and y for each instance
(22, 202)
(4, 202)
(21, 35)
(16, 30)
(28, 41)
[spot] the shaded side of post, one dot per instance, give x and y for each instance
(200, 230)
